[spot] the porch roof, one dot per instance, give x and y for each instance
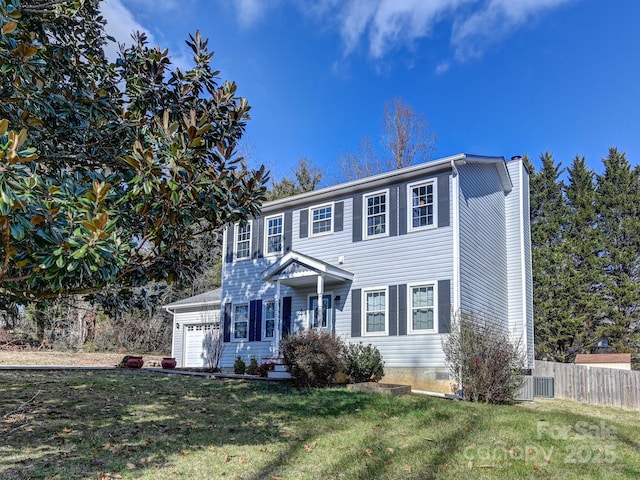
(298, 270)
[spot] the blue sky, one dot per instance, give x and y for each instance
(492, 77)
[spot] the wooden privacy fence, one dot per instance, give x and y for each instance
(595, 385)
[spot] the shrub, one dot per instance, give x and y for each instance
(483, 361)
(239, 366)
(265, 368)
(363, 363)
(252, 368)
(313, 358)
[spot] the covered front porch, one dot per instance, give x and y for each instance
(311, 279)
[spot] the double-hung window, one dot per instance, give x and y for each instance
(269, 314)
(243, 241)
(376, 214)
(241, 322)
(422, 308)
(375, 311)
(273, 227)
(422, 205)
(321, 220)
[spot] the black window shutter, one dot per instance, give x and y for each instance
(402, 209)
(402, 309)
(286, 316)
(304, 223)
(444, 306)
(443, 201)
(255, 320)
(393, 310)
(357, 218)
(226, 323)
(392, 205)
(356, 316)
(230, 241)
(257, 237)
(288, 227)
(338, 216)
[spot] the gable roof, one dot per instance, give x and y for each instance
(294, 267)
(398, 175)
(211, 297)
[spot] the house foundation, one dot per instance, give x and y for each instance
(429, 379)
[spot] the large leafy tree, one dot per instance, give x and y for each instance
(109, 170)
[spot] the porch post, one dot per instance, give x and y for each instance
(320, 299)
(278, 321)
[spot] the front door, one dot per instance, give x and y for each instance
(327, 312)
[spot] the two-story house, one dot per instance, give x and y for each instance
(387, 260)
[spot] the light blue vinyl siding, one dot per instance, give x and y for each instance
(519, 272)
(421, 256)
(483, 259)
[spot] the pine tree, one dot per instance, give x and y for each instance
(555, 329)
(582, 247)
(618, 210)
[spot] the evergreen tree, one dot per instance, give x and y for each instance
(582, 245)
(618, 210)
(555, 329)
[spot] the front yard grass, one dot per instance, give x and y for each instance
(143, 425)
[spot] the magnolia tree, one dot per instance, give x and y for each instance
(109, 170)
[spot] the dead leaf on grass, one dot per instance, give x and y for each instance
(131, 466)
(368, 452)
(390, 450)
(407, 468)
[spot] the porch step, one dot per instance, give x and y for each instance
(279, 371)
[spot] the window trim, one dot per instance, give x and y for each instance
(365, 215)
(363, 309)
(233, 322)
(310, 220)
(425, 331)
(410, 187)
(236, 231)
(266, 235)
(264, 319)
(330, 320)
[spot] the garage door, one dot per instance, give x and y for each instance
(194, 340)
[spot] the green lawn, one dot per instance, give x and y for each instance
(136, 424)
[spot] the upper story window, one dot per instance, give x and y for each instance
(243, 241)
(321, 220)
(376, 214)
(240, 322)
(273, 229)
(422, 308)
(422, 205)
(375, 311)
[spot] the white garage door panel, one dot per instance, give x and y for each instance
(193, 343)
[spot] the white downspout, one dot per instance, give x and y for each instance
(455, 200)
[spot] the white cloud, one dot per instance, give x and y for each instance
(384, 26)
(252, 11)
(491, 23)
(120, 25)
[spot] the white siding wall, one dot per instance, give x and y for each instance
(483, 261)
(187, 316)
(519, 259)
(419, 256)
